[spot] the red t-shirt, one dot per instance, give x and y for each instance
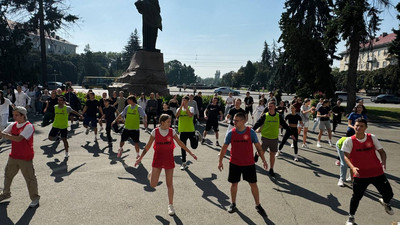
(363, 156)
(24, 149)
(242, 148)
(164, 150)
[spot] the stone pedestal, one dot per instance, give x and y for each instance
(144, 74)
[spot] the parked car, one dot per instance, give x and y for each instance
(52, 85)
(226, 90)
(343, 95)
(386, 98)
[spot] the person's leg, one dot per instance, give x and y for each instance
(255, 192)
(108, 132)
(155, 176)
(11, 170)
(193, 140)
(334, 123)
(29, 174)
(296, 136)
(184, 136)
(305, 131)
(321, 131)
(234, 189)
(359, 187)
(271, 159)
(66, 146)
(383, 186)
(169, 174)
(343, 164)
(284, 139)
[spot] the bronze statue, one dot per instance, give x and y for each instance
(150, 10)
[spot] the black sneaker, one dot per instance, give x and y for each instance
(255, 157)
(202, 141)
(232, 208)
(217, 144)
(260, 210)
(271, 172)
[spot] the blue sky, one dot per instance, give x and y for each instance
(209, 35)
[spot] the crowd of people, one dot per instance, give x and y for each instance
(124, 115)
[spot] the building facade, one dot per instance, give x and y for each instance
(373, 55)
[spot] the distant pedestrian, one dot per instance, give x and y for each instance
(212, 115)
(163, 138)
(109, 112)
(354, 115)
(305, 111)
(90, 114)
(337, 112)
(151, 110)
(21, 98)
(293, 119)
(324, 114)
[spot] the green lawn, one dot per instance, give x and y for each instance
(383, 114)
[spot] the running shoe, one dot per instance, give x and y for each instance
(66, 154)
(232, 208)
(184, 166)
(348, 179)
(387, 206)
(203, 141)
(34, 203)
(261, 210)
(271, 172)
(350, 220)
(4, 196)
(87, 131)
(278, 154)
(340, 183)
(330, 143)
(171, 210)
(296, 158)
(119, 154)
(304, 146)
(217, 144)
(292, 145)
(318, 145)
(198, 136)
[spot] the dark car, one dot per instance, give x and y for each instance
(386, 98)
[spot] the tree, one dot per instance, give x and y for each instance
(130, 49)
(355, 21)
(266, 56)
(227, 79)
(47, 16)
(395, 45)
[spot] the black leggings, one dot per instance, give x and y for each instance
(336, 120)
(293, 131)
(360, 185)
(193, 142)
(153, 116)
(108, 130)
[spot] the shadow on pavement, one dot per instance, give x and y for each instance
(25, 219)
(50, 150)
(60, 170)
(95, 149)
(140, 175)
(210, 190)
(162, 220)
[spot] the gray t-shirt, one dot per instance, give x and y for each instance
(305, 116)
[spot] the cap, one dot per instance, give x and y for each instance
(21, 110)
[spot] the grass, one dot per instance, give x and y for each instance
(383, 114)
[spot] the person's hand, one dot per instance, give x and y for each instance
(138, 161)
(194, 156)
(383, 164)
(265, 165)
(113, 122)
(220, 166)
(355, 172)
(206, 117)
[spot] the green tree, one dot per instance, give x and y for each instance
(266, 56)
(47, 16)
(130, 49)
(227, 79)
(355, 21)
(395, 45)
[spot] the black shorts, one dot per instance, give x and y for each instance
(134, 134)
(249, 173)
(55, 131)
(248, 110)
(213, 124)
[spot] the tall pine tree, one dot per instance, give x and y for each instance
(130, 49)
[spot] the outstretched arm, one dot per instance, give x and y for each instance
(146, 148)
(182, 145)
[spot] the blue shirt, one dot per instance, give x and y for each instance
(253, 135)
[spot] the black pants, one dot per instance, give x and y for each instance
(336, 120)
(293, 131)
(152, 115)
(193, 142)
(108, 130)
(48, 118)
(360, 185)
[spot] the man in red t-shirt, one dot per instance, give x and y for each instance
(241, 161)
(21, 135)
(360, 155)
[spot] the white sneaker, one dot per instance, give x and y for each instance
(66, 154)
(330, 143)
(278, 154)
(318, 145)
(350, 220)
(340, 183)
(304, 146)
(348, 179)
(296, 158)
(387, 207)
(34, 203)
(171, 210)
(292, 146)
(87, 130)
(184, 166)
(198, 135)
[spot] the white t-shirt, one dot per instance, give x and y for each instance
(348, 143)
(4, 108)
(26, 133)
(163, 132)
(230, 100)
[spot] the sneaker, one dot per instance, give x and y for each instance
(95, 137)
(183, 166)
(292, 146)
(217, 144)
(34, 203)
(66, 154)
(203, 141)
(387, 206)
(318, 145)
(278, 154)
(260, 210)
(296, 158)
(333, 132)
(330, 143)
(256, 157)
(232, 208)
(4, 196)
(340, 183)
(348, 179)
(271, 172)
(350, 220)
(87, 131)
(304, 146)
(171, 210)
(337, 162)
(198, 136)
(119, 154)
(149, 176)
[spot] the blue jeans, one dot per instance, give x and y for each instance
(343, 164)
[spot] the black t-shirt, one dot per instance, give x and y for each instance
(293, 119)
(113, 100)
(101, 102)
(338, 110)
(92, 107)
(280, 110)
(52, 103)
(248, 100)
(168, 112)
(324, 111)
(213, 112)
(232, 113)
(109, 113)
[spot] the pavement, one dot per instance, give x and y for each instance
(93, 186)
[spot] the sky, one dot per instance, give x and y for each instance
(208, 35)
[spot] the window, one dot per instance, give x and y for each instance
(377, 64)
(384, 64)
(379, 51)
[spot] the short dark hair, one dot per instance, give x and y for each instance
(186, 97)
(362, 120)
(241, 115)
(163, 118)
(62, 97)
(131, 97)
(107, 100)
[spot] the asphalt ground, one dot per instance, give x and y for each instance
(95, 187)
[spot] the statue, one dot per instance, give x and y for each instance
(150, 10)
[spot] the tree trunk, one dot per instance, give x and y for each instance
(43, 65)
(352, 72)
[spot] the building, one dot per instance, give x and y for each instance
(54, 43)
(373, 55)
